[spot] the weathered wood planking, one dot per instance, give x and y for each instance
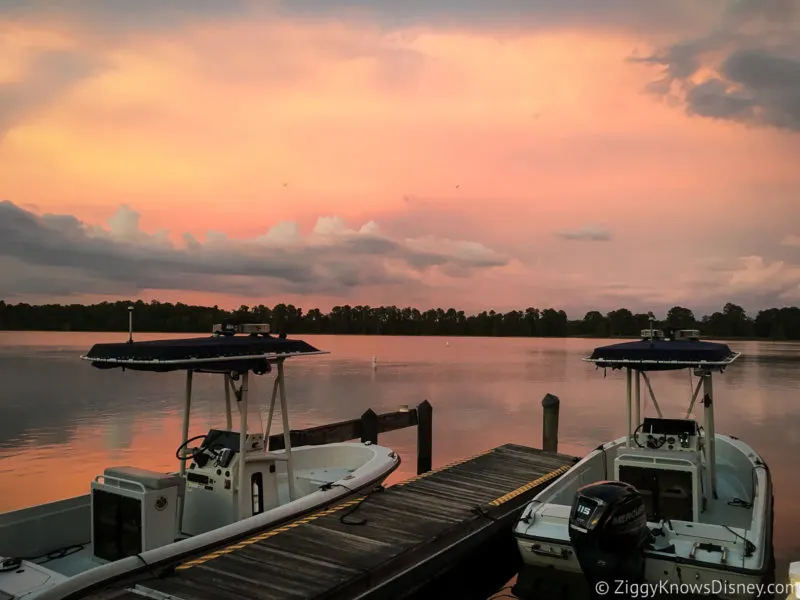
(372, 542)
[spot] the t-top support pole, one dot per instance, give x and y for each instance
(628, 405)
(637, 406)
(187, 406)
(711, 453)
(243, 444)
(287, 439)
(228, 416)
(271, 412)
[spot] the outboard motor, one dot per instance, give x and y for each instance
(608, 531)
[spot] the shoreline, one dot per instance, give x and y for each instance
(432, 335)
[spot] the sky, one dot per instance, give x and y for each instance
(572, 154)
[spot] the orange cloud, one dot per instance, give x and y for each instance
(498, 136)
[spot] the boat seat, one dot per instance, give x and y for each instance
(151, 480)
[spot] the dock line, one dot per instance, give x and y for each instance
(324, 513)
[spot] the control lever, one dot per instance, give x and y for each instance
(200, 457)
(224, 457)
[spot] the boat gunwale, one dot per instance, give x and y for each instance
(165, 565)
(767, 554)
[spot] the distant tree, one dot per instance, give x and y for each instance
(679, 317)
(740, 324)
(731, 321)
(595, 324)
(532, 317)
(621, 323)
(553, 323)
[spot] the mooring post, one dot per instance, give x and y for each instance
(550, 404)
(424, 437)
(369, 426)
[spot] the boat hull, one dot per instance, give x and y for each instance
(665, 576)
(49, 582)
(542, 535)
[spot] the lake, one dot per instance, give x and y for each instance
(62, 421)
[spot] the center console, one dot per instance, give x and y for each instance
(212, 481)
(681, 435)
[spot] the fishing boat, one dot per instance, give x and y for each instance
(229, 484)
(672, 503)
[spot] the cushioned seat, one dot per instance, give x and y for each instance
(151, 480)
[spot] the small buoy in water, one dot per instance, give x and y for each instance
(374, 362)
(447, 343)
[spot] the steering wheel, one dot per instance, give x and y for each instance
(190, 453)
(656, 442)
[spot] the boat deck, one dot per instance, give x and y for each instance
(377, 545)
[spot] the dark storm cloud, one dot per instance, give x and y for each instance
(755, 86)
(58, 255)
(770, 82)
(755, 54)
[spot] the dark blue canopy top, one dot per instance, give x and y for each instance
(664, 355)
(214, 354)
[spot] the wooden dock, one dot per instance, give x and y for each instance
(385, 544)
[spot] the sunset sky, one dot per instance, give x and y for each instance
(498, 154)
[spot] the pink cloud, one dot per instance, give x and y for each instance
(259, 126)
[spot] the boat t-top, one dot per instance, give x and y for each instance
(229, 484)
(671, 501)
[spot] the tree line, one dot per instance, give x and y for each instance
(731, 322)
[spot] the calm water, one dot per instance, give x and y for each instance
(62, 421)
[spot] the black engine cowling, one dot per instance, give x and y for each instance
(608, 531)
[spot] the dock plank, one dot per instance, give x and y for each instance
(352, 550)
(384, 522)
(336, 555)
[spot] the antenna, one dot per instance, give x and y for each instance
(651, 319)
(130, 324)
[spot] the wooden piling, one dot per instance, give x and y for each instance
(424, 437)
(550, 406)
(369, 426)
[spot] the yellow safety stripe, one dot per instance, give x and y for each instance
(323, 513)
(455, 463)
(273, 532)
(530, 485)
(267, 534)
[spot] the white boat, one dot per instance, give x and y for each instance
(702, 501)
(794, 581)
(227, 487)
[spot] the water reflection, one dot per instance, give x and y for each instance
(62, 421)
(119, 434)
